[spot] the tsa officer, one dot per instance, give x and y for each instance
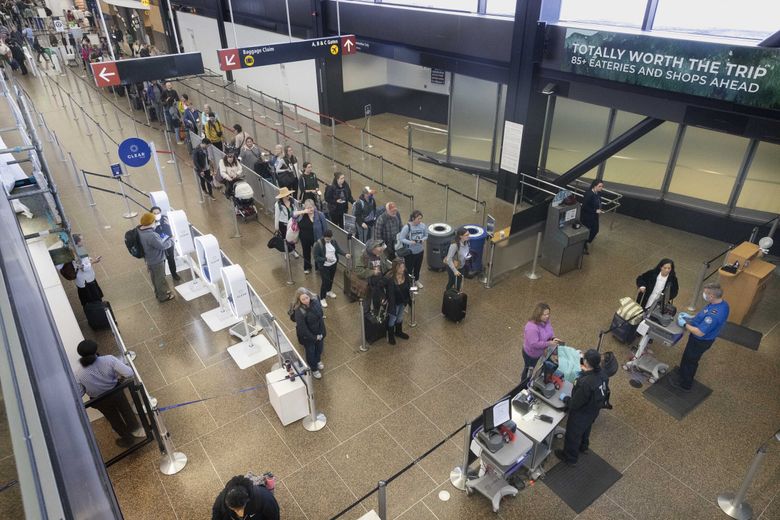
(586, 401)
(703, 328)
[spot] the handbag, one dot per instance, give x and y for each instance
(400, 248)
(276, 242)
(292, 231)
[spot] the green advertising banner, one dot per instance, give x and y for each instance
(740, 74)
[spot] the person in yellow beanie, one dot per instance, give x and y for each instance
(154, 246)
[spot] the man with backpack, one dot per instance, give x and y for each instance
(154, 246)
(589, 396)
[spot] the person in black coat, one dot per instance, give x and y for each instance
(338, 196)
(652, 283)
(591, 209)
(242, 499)
(310, 328)
(397, 293)
(589, 396)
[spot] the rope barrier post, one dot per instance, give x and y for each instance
(172, 461)
(514, 204)
(89, 191)
(489, 275)
(173, 159)
(146, 110)
(168, 146)
(103, 140)
(297, 120)
(58, 147)
(446, 201)
(130, 213)
(381, 173)
(252, 115)
(484, 213)
(349, 174)
(75, 115)
(533, 275)
(412, 306)
(306, 138)
(368, 132)
(735, 505)
(200, 189)
(287, 261)
(361, 308)
(362, 145)
(235, 221)
(46, 128)
(382, 500)
(458, 476)
(157, 165)
(86, 89)
(753, 235)
(313, 422)
(409, 129)
(476, 195)
(411, 168)
(75, 170)
(699, 284)
(118, 123)
(333, 140)
(281, 114)
(772, 230)
(264, 115)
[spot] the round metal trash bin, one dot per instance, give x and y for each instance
(477, 236)
(439, 239)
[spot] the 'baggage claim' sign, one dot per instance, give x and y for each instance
(740, 74)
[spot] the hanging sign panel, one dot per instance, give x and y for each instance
(260, 55)
(746, 75)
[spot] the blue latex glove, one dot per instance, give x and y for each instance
(683, 318)
(563, 396)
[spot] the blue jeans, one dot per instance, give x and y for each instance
(396, 316)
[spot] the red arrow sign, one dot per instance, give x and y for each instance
(228, 59)
(106, 74)
(348, 45)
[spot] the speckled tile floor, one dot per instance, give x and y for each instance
(388, 406)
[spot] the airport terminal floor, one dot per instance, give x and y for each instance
(387, 406)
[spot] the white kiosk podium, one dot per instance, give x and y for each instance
(160, 199)
(184, 246)
(254, 347)
(210, 263)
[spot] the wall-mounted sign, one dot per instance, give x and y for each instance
(739, 74)
(136, 70)
(259, 55)
(134, 152)
(438, 76)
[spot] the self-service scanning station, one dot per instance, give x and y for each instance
(160, 199)
(210, 263)
(184, 247)
(254, 346)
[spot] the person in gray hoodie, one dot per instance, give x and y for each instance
(413, 235)
(154, 246)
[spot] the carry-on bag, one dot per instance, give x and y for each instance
(96, 315)
(453, 306)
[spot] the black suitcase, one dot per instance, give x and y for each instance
(96, 315)
(453, 306)
(376, 329)
(623, 330)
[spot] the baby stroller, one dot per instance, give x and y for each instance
(243, 200)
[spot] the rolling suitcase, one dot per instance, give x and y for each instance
(96, 315)
(626, 320)
(453, 306)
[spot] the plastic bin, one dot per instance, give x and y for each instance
(439, 239)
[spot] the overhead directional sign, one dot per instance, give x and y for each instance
(126, 72)
(134, 152)
(105, 73)
(259, 55)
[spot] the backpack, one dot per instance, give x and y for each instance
(603, 394)
(133, 243)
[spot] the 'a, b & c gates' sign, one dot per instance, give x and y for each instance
(739, 74)
(259, 55)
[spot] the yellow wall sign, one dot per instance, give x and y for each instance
(334, 49)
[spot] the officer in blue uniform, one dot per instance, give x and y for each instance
(703, 328)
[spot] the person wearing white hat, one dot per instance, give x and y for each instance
(283, 212)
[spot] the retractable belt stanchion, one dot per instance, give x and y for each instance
(75, 170)
(287, 261)
(361, 307)
(533, 275)
(458, 476)
(314, 421)
(382, 499)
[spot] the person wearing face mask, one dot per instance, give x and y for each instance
(588, 397)
(651, 284)
(326, 251)
(364, 210)
(163, 228)
(213, 130)
(703, 329)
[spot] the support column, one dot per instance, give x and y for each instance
(223, 42)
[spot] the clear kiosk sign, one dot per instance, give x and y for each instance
(739, 74)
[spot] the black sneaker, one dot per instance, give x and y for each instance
(675, 382)
(561, 455)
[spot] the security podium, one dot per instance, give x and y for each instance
(744, 289)
(563, 242)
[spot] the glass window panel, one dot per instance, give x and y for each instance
(761, 190)
(578, 130)
(754, 19)
(470, 6)
(501, 7)
(472, 117)
(642, 163)
(629, 13)
(707, 165)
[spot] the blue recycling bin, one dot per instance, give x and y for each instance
(477, 237)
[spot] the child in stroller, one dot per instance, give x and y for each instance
(243, 200)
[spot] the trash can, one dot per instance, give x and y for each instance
(439, 239)
(477, 236)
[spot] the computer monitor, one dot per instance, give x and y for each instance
(497, 414)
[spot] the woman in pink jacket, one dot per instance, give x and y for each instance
(538, 335)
